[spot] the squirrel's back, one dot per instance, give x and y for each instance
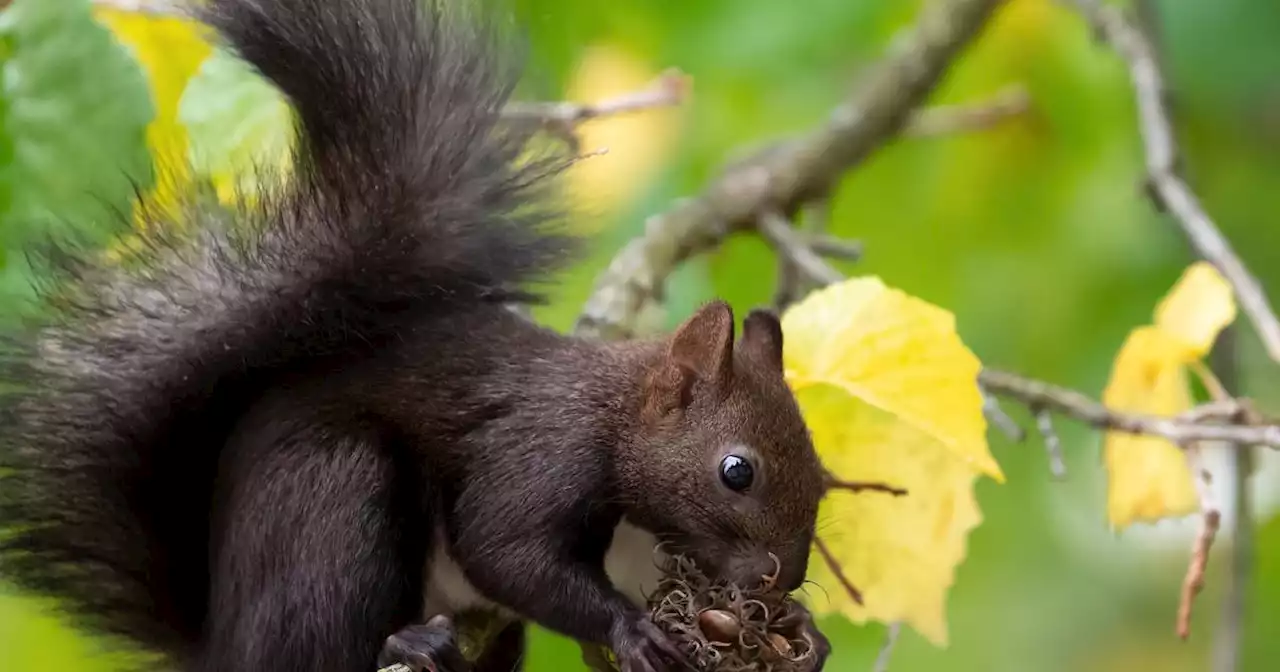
(406, 201)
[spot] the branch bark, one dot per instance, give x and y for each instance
(1165, 185)
(787, 174)
(1191, 427)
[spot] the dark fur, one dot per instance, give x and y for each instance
(232, 447)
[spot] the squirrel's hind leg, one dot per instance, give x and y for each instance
(320, 539)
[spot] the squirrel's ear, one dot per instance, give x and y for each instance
(700, 350)
(704, 344)
(762, 338)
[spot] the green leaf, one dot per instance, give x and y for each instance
(236, 121)
(75, 109)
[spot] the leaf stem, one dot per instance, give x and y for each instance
(837, 569)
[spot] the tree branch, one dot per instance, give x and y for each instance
(814, 219)
(1166, 187)
(1190, 427)
(785, 175)
(778, 231)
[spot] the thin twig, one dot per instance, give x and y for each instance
(670, 88)
(886, 649)
(864, 486)
(1210, 518)
(837, 569)
(1180, 430)
(791, 286)
(1223, 409)
(996, 415)
(941, 120)
(1228, 636)
(1052, 444)
(836, 248)
(786, 175)
(1165, 185)
(778, 231)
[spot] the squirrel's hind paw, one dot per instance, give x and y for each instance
(429, 647)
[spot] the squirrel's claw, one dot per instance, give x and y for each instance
(821, 645)
(428, 647)
(641, 647)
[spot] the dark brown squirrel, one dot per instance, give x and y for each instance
(288, 433)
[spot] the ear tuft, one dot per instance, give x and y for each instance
(762, 338)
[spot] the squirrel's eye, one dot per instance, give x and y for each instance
(736, 473)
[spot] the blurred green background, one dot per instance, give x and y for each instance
(1035, 233)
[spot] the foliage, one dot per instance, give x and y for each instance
(1149, 476)
(75, 109)
(889, 393)
(1032, 235)
(169, 50)
(240, 125)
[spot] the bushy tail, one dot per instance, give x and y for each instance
(405, 202)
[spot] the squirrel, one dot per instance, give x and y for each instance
(304, 430)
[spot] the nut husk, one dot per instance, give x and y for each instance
(728, 628)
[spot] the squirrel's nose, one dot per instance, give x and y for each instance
(750, 570)
(791, 576)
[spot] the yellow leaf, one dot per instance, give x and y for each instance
(895, 352)
(901, 552)
(1198, 308)
(170, 50)
(890, 394)
(1148, 478)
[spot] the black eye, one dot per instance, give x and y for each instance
(736, 473)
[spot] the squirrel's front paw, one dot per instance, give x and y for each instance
(802, 619)
(430, 647)
(821, 645)
(640, 646)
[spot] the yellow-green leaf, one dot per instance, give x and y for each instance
(901, 552)
(242, 128)
(896, 352)
(170, 50)
(890, 394)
